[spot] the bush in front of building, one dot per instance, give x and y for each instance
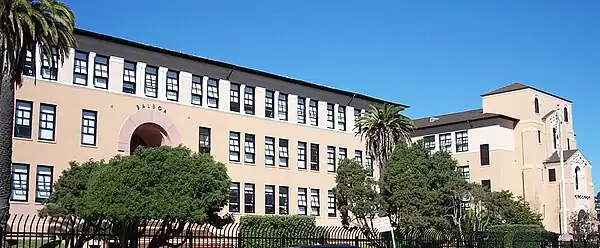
(279, 231)
(515, 236)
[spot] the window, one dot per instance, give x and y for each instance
(29, 63)
(47, 121)
(551, 175)
(343, 154)
(369, 165)
(302, 155)
(249, 100)
(302, 201)
(330, 120)
(566, 113)
(269, 103)
(283, 153)
(196, 90)
(23, 119)
(101, 72)
(80, 68)
(43, 183)
(172, 85)
(129, 77)
(234, 197)
(248, 198)
(234, 146)
(357, 115)
(283, 200)
(429, 142)
(269, 199)
(49, 65)
(283, 107)
(20, 182)
(315, 206)
(539, 133)
(88, 127)
(213, 93)
(462, 141)
(204, 141)
(249, 151)
(554, 137)
(568, 144)
(487, 184)
(150, 85)
(269, 151)
(331, 159)
(313, 113)
(484, 153)
(331, 211)
(301, 110)
(234, 97)
(536, 105)
(341, 118)
(358, 156)
(464, 206)
(465, 171)
(314, 157)
(446, 142)
(577, 171)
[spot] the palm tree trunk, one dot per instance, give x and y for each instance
(7, 102)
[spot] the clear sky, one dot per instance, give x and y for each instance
(436, 56)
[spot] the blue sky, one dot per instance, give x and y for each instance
(436, 56)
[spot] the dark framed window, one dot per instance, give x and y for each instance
(249, 100)
(301, 110)
(234, 97)
(269, 104)
(539, 133)
(172, 85)
(282, 106)
(43, 183)
(29, 63)
(341, 118)
(465, 171)
(129, 77)
(234, 197)
(330, 116)
(487, 184)
(429, 142)
(551, 175)
(80, 68)
(577, 172)
(446, 142)
(568, 144)
(464, 206)
(204, 140)
(315, 202)
(283, 153)
(50, 64)
(484, 154)
(20, 183)
(301, 155)
(314, 157)
(554, 137)
(284, 207)
(331, 208)
(23, 110)
(566, 114)
(357, 114)
(196, 90)
(331, 158)
(343, 154)
(101, 72)
(249, 198)
(302, 203)
(536, 105)
(269, 199)
(462, 141)
(249, 148)
(150, 82)
(358, 156)
(88, 127)
(212, 93)
(369, 165)
(269, 151)
(234, 146)
(313, 113)
(47, 122)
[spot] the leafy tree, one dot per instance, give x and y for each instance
(383, 128)
(25, 24)
(582, 225)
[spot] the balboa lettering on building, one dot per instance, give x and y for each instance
(151, 106)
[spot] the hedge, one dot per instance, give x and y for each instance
(515, 236)
(279, 231)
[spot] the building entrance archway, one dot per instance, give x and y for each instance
(147, 128)
(148, 135)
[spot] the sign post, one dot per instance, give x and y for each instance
(384, 225)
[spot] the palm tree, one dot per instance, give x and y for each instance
(383, 128)
(25, 24)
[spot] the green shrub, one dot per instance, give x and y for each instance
(279, 231)
(515, 236)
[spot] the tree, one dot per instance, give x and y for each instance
(163, 186)
(382, 128)
(25, 24)
(582, 225)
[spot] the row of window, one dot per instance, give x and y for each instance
(20, 182)
(536, 108)
(445, 142)
(281, 206)
(47, 122)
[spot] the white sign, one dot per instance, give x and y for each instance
(384, 225)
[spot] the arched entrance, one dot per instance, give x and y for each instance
(147, 128)
(148, 135)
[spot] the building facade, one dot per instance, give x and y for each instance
(512, 143)
(281, 139)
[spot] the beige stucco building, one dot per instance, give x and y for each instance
(512, 143)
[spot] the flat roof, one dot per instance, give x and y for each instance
(447, 119)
